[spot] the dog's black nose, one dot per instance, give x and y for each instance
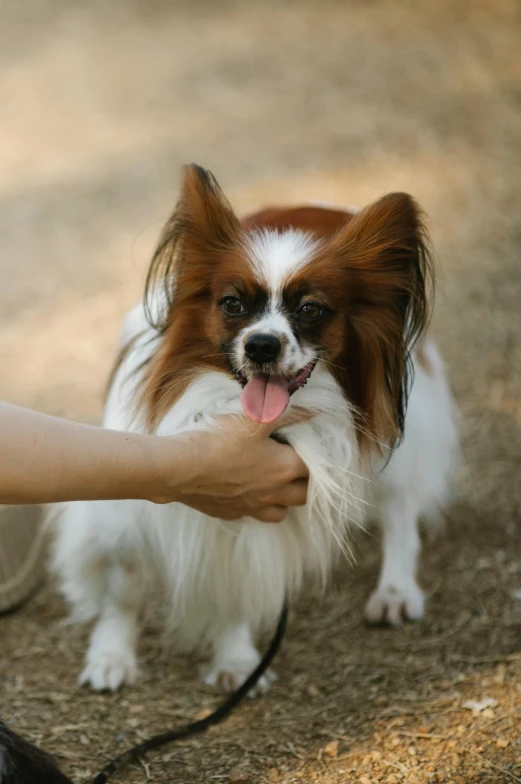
(262, 348)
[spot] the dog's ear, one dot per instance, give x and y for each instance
(208, 221)
(201, 229)
(388, 268)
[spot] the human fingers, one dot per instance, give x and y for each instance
(270, 514)
(293, 494)
(242, 425)
(292, 466)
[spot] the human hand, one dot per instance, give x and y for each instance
(237, 470)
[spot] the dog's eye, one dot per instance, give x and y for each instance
(232, 306)
(311, 311)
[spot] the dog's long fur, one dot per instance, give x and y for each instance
(380, 440)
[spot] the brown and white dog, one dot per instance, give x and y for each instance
(311, 309)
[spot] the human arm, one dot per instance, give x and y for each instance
(229, 472)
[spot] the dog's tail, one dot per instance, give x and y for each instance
(23, 763)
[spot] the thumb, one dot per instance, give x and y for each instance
(246, 427)
(243, 426)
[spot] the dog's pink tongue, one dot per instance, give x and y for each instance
(264, 398)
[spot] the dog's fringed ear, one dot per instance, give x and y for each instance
(209, 221)
(201, 228)
(388, 274)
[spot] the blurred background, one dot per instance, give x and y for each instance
(102, 103)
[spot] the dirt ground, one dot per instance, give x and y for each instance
(343, 101)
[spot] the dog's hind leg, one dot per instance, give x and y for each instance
(398, 596)
(111, 659)
(235, 658)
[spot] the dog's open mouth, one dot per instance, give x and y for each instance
(265, 397)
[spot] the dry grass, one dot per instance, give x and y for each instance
(334, 100)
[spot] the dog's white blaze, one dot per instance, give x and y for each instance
(273, 321)
(274, 256)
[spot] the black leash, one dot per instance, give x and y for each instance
(134, 754)
(22, 762)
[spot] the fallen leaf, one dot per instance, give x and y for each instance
(479, 705)
(236, 775)
(56, 697)
(331, 749)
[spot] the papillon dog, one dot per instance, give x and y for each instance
(313, 317)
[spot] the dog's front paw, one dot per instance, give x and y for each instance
(109, 669)
(393, 604)
(229, 675)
